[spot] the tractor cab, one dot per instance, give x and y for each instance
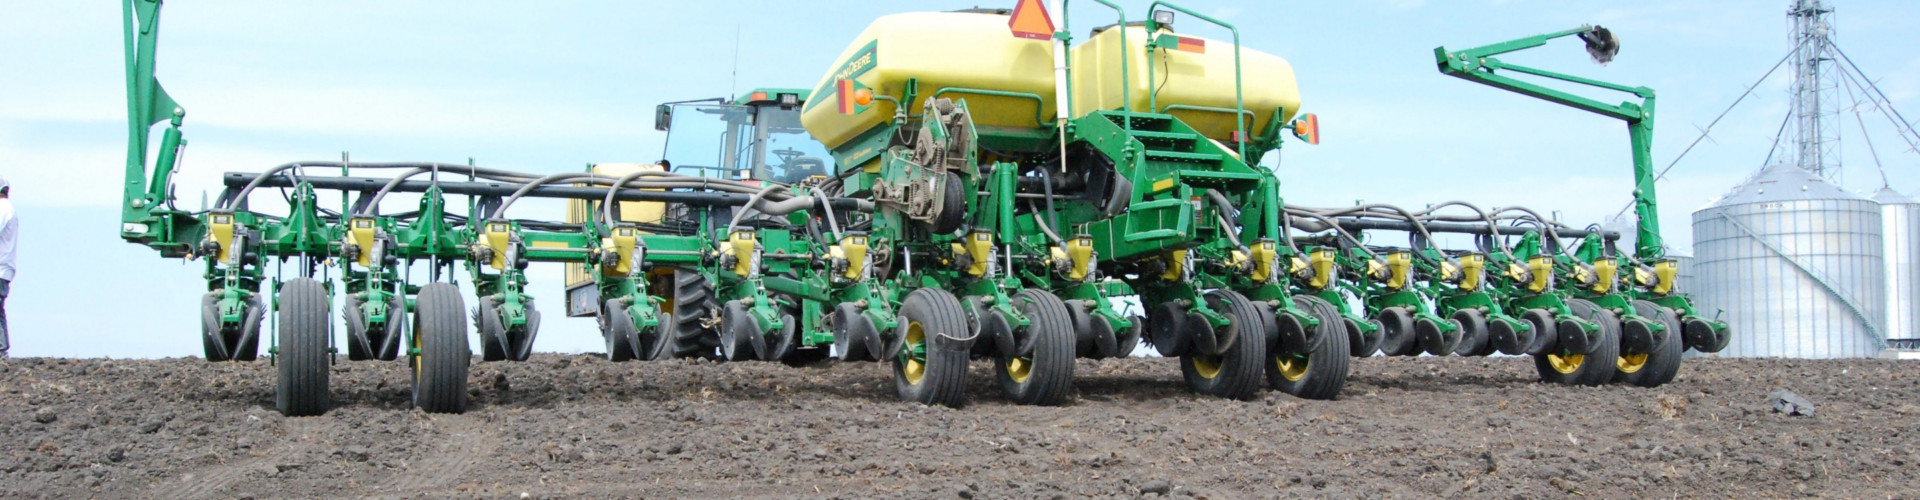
(754, 137)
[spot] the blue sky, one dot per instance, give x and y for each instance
(552, 86)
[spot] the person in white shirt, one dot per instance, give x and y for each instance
(9, 239)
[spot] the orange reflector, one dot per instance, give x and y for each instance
(1307, 128)
(757, 96)
(1030, 20)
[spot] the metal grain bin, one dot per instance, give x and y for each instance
(1795, 263)
(1900, 232)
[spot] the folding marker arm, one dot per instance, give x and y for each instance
(148, 104)
(1479, 66)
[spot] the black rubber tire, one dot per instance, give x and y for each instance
(942, 373)
(657, 343)
(1166, 330)
(1237, 371)
(440, 335)
(354, 321)
(1049, 368)
(784, 342)
(1359, 344)
(1546, 331)
(301, 388)
(737, 332)
(853, 334)
(1396, 331)
(1593, 368)
(953, 207)
(1473, 332)
(1129, 340)
(247, 346)
(388, 346)
(523, 341)
(212, 340)
(244, 341)
(486, 321)
(1663, 363)
(693, 306)
(1701, 336)
(616, 328)
(362, 343)
(1508, 338)
(1433, 337)
(1327, 366)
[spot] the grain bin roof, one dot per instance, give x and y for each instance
(1783, 182)
(1887, 196)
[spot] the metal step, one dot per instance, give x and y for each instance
(1184, 157)
(1153, 122)
(1166, 137)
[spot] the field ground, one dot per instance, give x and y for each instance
(565, 426)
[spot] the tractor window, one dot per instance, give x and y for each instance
(711, 140)
(789, 153)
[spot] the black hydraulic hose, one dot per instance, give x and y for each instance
(1225, 204)
(1227, 211)
(1044, 229)
(528, 187)
(1286, 225)
(248, 189)
(1232, 236)
(1484, 216)
(606, 206)
(373, 204)
(1046, 186)
(1419, 227)
(1545, 225)
(742, 212)
(1335, 226)
(828, 209)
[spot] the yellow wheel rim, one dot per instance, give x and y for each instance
(1292, 368)
(1019, 369)
(914, 369)
(1631, 363)
(1568, 364)
(417, 357)
(1207, 366)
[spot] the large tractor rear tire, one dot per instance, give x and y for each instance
(1043, 377)
(440, 336)
(1234, 373)
(925, 371)
(301, 389)
(1566, 367)
(1319, 374)
(694, 306)
(1656, 368)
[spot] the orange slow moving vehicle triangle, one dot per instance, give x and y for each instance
(1030, 20)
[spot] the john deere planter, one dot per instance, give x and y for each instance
(959, 186)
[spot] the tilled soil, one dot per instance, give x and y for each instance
(578, 426)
